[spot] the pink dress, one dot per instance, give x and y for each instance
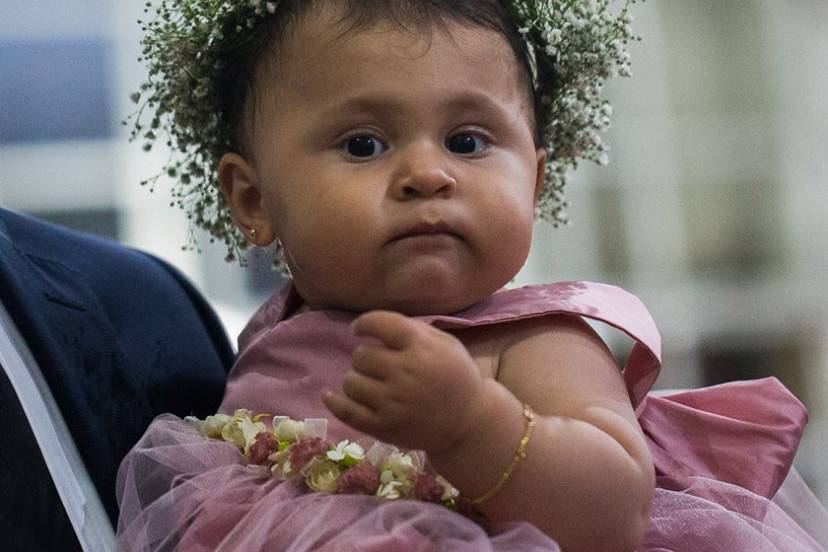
(721, 453)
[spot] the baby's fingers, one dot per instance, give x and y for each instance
(395, 330)
(374, 362)
(356, 415)
(364, 390)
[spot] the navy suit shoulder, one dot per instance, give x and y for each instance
(120, 336)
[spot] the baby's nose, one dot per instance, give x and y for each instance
(423, 174)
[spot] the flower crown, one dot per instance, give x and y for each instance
(575, 46)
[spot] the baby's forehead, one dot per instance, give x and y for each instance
(385, 54)
(326, 40)
(315, 22)
(327, 53)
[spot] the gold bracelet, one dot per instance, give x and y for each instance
(520, 454)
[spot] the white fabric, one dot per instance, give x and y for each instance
(74, 486)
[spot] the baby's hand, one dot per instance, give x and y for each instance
(419, 389)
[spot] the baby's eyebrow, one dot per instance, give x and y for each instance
(375, 105)
(477, 102)
(467, 101)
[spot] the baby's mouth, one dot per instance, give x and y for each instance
(425, 229)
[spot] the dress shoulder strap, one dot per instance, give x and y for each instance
(604, 303)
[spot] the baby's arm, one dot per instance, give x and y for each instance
(587, 479)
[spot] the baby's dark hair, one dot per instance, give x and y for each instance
(244, 59)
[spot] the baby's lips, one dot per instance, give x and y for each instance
(429, 222)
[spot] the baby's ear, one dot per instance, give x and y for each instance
(239, 185)
(540, 178)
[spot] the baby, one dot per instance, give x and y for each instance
(394, 153)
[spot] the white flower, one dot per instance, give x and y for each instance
(241, 430)
(449, 492)
(346, 452)
(553, 36)
(392, 486)
(390, 490)
(402, 465)
(286, 429)
(281, 468)
(195, 423)
(214, 424)
(322, 476)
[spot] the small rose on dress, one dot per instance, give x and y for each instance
(289, 430)
(241, 430)
(427, 488)
(362, 478)
(346, 468)
(322, 476)
(263, 446)
(304, 451)
(232, 430)
(214, 424)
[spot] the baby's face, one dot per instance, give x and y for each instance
(398, 172)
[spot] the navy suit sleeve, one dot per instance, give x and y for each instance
(120, 337)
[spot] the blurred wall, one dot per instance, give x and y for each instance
(712, 210)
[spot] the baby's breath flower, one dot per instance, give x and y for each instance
(574, 46)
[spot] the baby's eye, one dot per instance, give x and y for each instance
(466, 143)
(364, 146)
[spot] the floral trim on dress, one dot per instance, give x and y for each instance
(298, 449)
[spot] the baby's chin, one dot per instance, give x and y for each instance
(430, 306)
(423, 296)
(422, 302)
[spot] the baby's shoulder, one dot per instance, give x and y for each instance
(553, 314)
(494, 345)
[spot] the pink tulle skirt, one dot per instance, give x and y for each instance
(180, 491)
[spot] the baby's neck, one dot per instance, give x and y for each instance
(295, 306)
(303, 307)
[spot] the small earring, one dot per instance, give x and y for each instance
(252, 232)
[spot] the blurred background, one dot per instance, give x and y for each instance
(713, 209)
